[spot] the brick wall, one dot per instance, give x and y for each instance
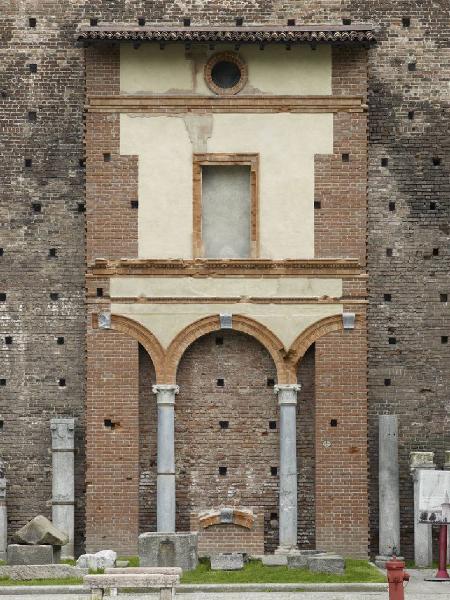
(340, 219)
(112, 451)
(409, 120)
(41, 207)
(230, 537)
(148, 415)
(341, 441)
(418, 365)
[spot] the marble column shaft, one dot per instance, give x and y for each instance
(165, 492)
(287, 401)
(63, 479)
(388, 486)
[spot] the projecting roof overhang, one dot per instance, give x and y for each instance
(262, 35)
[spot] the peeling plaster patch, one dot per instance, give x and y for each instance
(199, 129)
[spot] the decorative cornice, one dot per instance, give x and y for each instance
(262, 35)
(223, 268)
(236, 300)
(221, 104)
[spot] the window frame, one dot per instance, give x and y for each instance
(225, 159)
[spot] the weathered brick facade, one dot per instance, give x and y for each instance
(408, 229)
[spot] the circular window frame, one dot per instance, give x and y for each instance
(228, 57)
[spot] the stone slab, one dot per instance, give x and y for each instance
(137, 580)
(28, 572)
(122, 563)
(145, 570)
(19, 554)
(300, 559)
(40, 531)
(233, 561)
(274, 560)
(327, 563)
(168, 550)
(100, 560)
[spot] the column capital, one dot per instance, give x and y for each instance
(63, 433)
(287, 392)
(165, 393)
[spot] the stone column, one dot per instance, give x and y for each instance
(388, 488)
(287, 401)
(165, 489)
(63, 479)
(423, 548)
(3, 513)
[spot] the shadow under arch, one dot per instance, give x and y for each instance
(241, 323)
(146, 338)
(310, 335)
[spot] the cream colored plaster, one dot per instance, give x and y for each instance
(286, 321)
(148, 70)
(286, 144)
(300, 71)
(232, 287)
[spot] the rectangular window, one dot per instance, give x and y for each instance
(225, 206)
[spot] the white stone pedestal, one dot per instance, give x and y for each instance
(423, 549)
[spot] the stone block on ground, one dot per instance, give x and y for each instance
(168, 550)
(274, 560)
(233, 561)
(300, 559)
(122, 563)
(40, 531)
(28, 572)
(19, 554)
(327, 563)
(100, 560)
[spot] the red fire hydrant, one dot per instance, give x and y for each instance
(396, 575)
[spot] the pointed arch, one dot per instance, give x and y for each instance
(209, 324)
(145, 337)
(312, 333)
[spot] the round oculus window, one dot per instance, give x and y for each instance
(226, 73)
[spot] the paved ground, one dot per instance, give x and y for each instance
(417, 589)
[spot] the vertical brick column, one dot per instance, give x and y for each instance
(341, 442)
(112, 415)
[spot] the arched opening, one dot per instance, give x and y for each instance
(226, 441)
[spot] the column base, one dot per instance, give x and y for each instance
(285, 550)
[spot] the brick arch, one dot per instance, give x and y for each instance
(146, 338)
(241, 323)
(312, 333)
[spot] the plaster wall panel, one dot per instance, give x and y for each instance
(286, 321)
(183, 287)
(286, 178)
(300, 71)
